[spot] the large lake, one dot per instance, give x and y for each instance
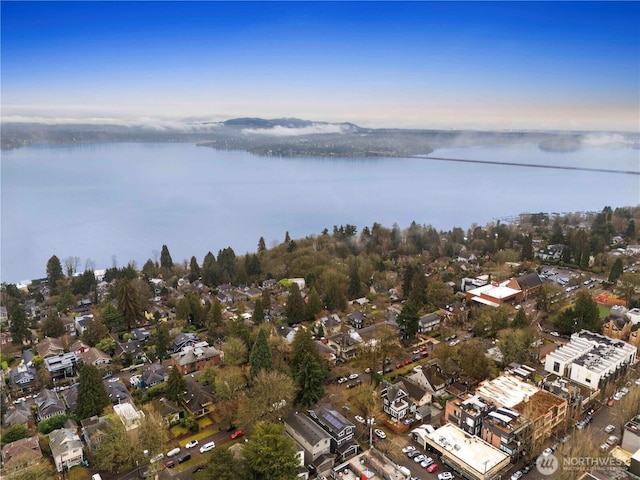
(124, 201)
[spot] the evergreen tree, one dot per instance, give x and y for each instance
(287, 238)
(227, 265)
(260, 357)
(165, 258)
(262, 246)
(333, 297)
(631, 230)
(557, 237)
(520, 320)
(270, 454)
(215, 325)
(408, 319)
(294, 310)
(92, 394)
(113, 318)
(527, 248)
(258, 313)
(222, 465)
(176, 385)
(128, 301)
(355, 285)
(54, 272)
(266, 300)
(209, 271)
(616, 271)
(314, 305)
(162, 340)
(19, 326)
(307, 368)
(194, 270)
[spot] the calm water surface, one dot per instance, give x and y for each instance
(124, 201)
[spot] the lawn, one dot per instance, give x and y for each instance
(79, 473)
(604, 310)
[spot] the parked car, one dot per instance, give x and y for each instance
(184, 458)
(170, 464)
(173, 452)
(516, 475)
(612, 440)
(547, 451)
(359, 419)
(420, 458)
(407, 449)
(207, 446)
(445, 476)
(432, 468)
(237, 434)
(379, 433)
(604, 447)
(609, 428)
(413, 453)
(191, 444)
(353, 376)
(426, 462)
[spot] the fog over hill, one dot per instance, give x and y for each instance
(293, 137)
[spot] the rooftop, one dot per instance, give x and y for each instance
(506, 390)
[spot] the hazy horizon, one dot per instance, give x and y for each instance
(562, 66)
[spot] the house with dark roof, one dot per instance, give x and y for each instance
(529, 284)
(23, 378)
(428, 323)
(356, 319)
(153, 375)
(331, 324)
(94, 430)
(70, 397)
(198, 400)
(183, 340)
(287, 333)
(456, 313)
(169, 411)
(340, 428)
(313, 439)
(66, 448)
(78, 347)
(344, 344)
(117, 392)
(141, 334)
(20, 454)
(63, 365)
(395, 400)
(81, 323)
(48, 404)
(134, 347)
(432, 378)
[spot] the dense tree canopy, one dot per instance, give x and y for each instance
(260, 357)
(270, 454)
(92, 394)
(307, 368)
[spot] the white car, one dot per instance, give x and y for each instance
(420, 458)
(604, 447)
(207, 446)
(191, 444)
(516, 475)
(609, 428)
(445, 476)
(638, 381)
(426, 462)
(408, 448)
(353, 376)
(359, 419)
(617, 396)
(379, 433)
(547, 451)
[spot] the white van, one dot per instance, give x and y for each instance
(404, 470)
(173, 453)
(96, 476)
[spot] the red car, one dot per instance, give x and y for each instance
(170, 464)
(237, 434)
(432, 468)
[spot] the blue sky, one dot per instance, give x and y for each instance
(502, 65)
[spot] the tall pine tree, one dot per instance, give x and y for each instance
(92, 394)
(260, 357)
(307, 368)
(165, 258)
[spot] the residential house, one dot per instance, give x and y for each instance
(94, 430)
(141, 334)
(5, 339)
(66, 448)
(70, 397)
(18, 415)
(286, 332)
(330, 324)
(169, 411)
(551, 253)
(130, 417)
(23, 378)
(432, 378)
(199, 398)
(134, 347)
(395, 400)
(20, 454)
(50, 347)
(62, 366)
(153, 375)
(78, 347)
(340, 429)
(428, 323)
(183, 340)
(4, 317)
(467, 412)
(313, 439)
(418, 395)
(69, 325)
(196, 357)
(95, 356)
(356, 319)
(345, 344)
(325, 351)
(81, 323)
(117, 392)
(48, 404)
(456, 313)
(496, 294)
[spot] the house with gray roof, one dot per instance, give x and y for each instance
(18, 415)
(153, 375)
(95, 356)
(356, 319)
(66, 448)
(23, 378)
(340, 428)
(196, 357)
(428, 323)
(183, 340)
(94, 430)
(117, 392)
(48, 404)
(198, 399)
(63, 365)
(313, 439)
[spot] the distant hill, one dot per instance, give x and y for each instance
(285, 137)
